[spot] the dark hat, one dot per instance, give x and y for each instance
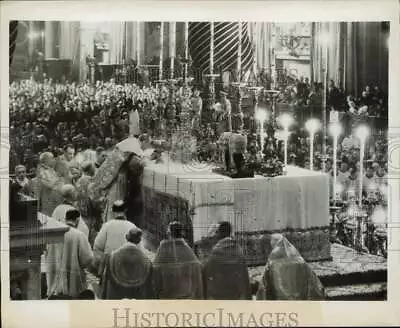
(133, 234)
(72, 215)
(118, 206)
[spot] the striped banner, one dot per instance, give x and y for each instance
(226, 46)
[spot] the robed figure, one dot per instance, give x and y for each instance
(177, 273)
(225, 271)
(287, 276)
(111, 181)
(68, 264)
(48, 184)
(128, 271)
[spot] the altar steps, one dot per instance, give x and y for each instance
(359, 292)
(349, 276)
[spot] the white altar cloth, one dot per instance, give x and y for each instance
(298, 200)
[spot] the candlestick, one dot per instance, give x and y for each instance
(335, 130)
(312, 126)
(261, 115)
(362, 133)
(325, 41)
(239, 58)
(212, 48)
(285, 120)
(161, 50)
(172, 46)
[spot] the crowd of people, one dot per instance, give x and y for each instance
(77, 149)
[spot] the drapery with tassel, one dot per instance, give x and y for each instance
(357, 54)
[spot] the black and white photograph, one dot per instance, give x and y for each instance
(198, 160)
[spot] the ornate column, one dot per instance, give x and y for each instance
(172, 47)
(49, 39)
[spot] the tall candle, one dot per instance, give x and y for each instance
(212, 48)
(161, 50)
(360, 178)
(239, 54)
(286, 131)
(312, 151)
(172, 46)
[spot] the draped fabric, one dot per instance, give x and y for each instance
(357, 54)
(225, 272)
(287, 276)
(261, 38)
(177, 271)
(135, 41)
(86, 47)
(226, 45)
(13, 32)
(117, 43)
(69, 42)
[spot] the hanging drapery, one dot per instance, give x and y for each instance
(116, 42)
(261, 38)
(13, 33)
(225, 46)
(86, 47)
(357, 52)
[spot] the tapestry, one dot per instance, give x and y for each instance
(160, 209)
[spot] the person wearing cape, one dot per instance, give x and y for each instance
(177, 273)
(119, 178)
(128, 270)
(287, 276)
(225, 271)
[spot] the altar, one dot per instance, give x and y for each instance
(296, 204)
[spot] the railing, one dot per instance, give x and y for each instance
(358, 232)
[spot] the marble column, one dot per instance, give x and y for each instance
(49, 39)
(172, 47)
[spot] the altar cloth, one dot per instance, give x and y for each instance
(296, 201)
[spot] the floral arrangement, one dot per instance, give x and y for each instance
(270, 167)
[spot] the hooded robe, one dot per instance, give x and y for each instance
(177, 273)
(225, 272)
(287, 276)
(127, 274)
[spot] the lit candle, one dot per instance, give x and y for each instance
(362, 133)
(286, 121)
(212, 48)
(261, 115)
(161, 50)
(335, 130)
(312, 126)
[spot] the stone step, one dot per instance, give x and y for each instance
(359, 292)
